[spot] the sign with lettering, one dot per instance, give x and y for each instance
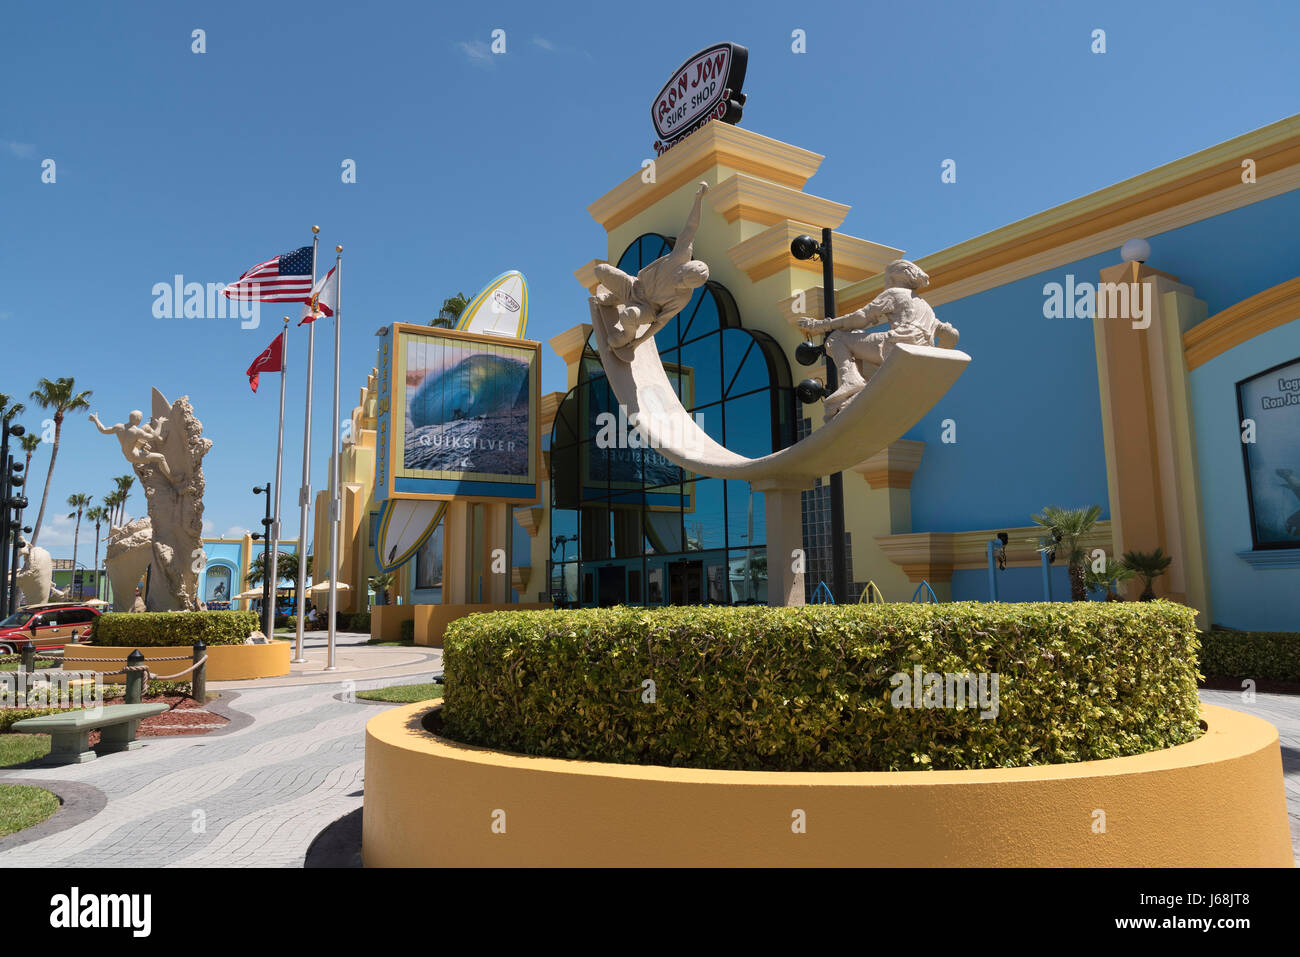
(1269, 408)
(460, 416)
(706, 87)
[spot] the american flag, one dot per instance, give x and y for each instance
(285, 278)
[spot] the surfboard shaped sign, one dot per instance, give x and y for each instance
(706, 87)
(501, 309)
(404, 526)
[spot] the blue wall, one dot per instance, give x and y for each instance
(1241, 595)
(1027, 410)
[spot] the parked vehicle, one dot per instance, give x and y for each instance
(48, 626)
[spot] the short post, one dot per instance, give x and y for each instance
(29, 658)
(199, 679)
(134, 679)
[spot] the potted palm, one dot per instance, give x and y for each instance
(1064, 532)
(1148, 565)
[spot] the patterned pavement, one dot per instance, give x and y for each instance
(257, 794)
(253, 796)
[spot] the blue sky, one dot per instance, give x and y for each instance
(470, 163)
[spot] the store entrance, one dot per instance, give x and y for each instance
(611, 586)
(685, 582)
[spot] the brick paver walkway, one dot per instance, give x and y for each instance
(253, 797)
(256, 797)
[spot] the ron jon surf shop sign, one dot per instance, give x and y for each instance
(706, 87)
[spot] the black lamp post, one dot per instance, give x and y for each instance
(810, 390)
(268, 605)
(11, 499)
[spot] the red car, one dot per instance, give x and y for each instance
(48, 626)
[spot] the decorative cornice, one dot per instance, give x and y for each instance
(529, 519)
(547, 409)
(519, 577)
(586, 275)
(1188, 190)
(768, 252)
(1241, 322)
(916, 551)
(715, 145)
(753, 200)
(813, 305)
(568, 344)
(893, 466)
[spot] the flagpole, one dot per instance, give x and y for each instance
(304, 491)
(335, 508)
(274, 530)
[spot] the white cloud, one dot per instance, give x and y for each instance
(544, 43)
(477, 52)
(21, 150)
(208, 527)
(235, 531)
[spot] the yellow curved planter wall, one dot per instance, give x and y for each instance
(225, 662)
(1217, 801)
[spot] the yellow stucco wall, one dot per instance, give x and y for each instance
(225, 662)
(1215, 802)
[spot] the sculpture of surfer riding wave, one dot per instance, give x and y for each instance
(895, 378)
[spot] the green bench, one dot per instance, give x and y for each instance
(70, 732)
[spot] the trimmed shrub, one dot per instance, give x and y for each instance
(359, 621)
(1270, 655)
(820, 687)
(151, 629)
(9, 716)
(407, 630)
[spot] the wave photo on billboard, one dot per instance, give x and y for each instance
(467, 408)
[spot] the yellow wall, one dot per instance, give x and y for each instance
(1215, 802)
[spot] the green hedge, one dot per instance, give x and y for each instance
(11, 716)
(359, 621)
(810, 688)
(151, 629)
(1270, 655)
(407, 630)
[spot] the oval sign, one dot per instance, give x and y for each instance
(708, 80)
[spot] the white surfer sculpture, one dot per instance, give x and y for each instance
(858, 354)
(634, 308)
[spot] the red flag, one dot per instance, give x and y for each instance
(271, 360)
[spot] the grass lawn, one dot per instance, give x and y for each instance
(17, 748)
(22, 806)
(405, 643)
(403, 694)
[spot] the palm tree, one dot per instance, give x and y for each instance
(62, 396)
(286, 567)
(1109, 579)
(1065, 530)
(382, 585)
(7, 410)
(111, 501)
(97, 514)
(124, 483)
(450, 312)
(30, 443)
(1150, 566)
(78, 503)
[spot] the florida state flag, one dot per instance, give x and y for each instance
(271, 360)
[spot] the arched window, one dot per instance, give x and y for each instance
(629, 526)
